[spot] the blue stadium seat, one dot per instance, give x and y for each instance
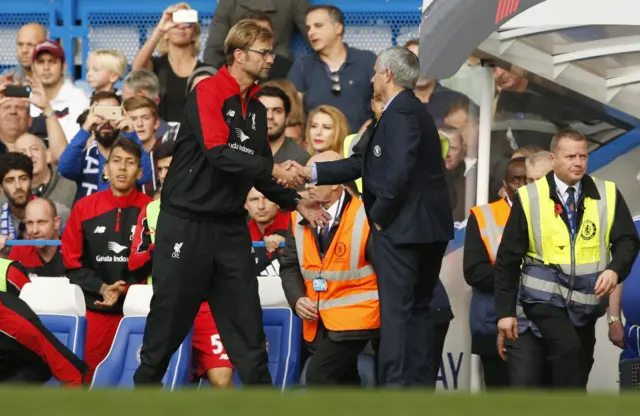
(284, 336)
(61, 308)
(124, 357)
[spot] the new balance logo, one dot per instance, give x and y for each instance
(100, 230)
(176, 250)
(231, 113)
(115, 247)
(505, 9)
(243, 137)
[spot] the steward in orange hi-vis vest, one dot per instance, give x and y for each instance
(350, 301)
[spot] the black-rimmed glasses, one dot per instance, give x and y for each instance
(266, 53)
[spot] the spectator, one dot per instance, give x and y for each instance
(145, 83)
(278, 109)
(295, 120)
(267, 223)
(326, 129)
(538, 165)
(163, 155)
(281, 15)
(434, 95)
(198, 75)
(143, 113)
(455, 171)
(178, 45)
(85, 164)
(96, 252)
(335, 74)
(16, 172)
(28, 37)
(463, 115)
(42, 223)
(47, 182)
(14, 121)
(526, 151)
(281, 65)
(104, 68)
(67, 100)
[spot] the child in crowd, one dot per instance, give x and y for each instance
(104, 68)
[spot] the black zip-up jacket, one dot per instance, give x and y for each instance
(515, 242)
(96, 243)
(220, 153)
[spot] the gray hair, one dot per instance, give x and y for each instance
(538, 157)
(143, 79)
(402, 63)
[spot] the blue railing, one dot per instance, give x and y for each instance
(124, 25)
(13, 243)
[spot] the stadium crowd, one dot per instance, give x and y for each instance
(88, 168)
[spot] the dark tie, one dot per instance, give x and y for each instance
(324, 239)
(571, 209)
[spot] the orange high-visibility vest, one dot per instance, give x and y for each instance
(351, 300)
(491, 221)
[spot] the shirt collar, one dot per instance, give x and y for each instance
(334, 209)
(562, 187)
(508, 200)
(389, 102)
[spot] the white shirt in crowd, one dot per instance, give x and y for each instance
(562, 189)
(72, 98)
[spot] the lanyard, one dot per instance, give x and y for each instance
(573, 220)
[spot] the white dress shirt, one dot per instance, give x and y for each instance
(562, 190)
(333, 211)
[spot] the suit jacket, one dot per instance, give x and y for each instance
(293, 282)
(404, 186)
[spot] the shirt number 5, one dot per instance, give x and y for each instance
(216, 343)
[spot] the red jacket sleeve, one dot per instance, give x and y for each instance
(141, 246)
(17, 277)
(72, 241)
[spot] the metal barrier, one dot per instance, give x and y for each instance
(13, 243)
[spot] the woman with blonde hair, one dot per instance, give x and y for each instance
(295, 120)
(326, 129)
(178, 45)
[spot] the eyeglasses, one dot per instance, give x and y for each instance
(334, 77)
(266, 53)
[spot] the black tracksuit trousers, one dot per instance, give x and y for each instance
(195, 261)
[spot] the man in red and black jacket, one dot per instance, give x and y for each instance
(95, 248)
(203, 249)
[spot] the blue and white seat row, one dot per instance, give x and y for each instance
(61, 307)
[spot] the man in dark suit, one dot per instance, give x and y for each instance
(407, 204)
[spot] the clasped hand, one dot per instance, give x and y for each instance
(291, 174)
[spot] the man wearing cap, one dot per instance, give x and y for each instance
(67, 100)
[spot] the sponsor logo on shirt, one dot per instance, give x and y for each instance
(100, 230)
(243, 137)
(242, 148)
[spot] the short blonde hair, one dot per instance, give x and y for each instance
(242, 35)
(139, 101)
(340, 128)
(163, 45)
(111, 59)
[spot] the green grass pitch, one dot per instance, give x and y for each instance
(18, 401)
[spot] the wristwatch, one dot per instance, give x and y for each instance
(613, 319)
(48, 113)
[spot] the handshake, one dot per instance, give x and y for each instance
(291, 174)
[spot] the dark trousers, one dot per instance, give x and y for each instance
(527, 362)
(198, 260)
(438, 336)
(407, 275)
(29, 352)
(334, 363)
(494, 371)
(570, 349)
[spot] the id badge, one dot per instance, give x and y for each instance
(320, 284)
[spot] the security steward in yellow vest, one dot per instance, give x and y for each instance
(576, 240)
(330, 284)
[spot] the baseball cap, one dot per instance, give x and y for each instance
(49, 46)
